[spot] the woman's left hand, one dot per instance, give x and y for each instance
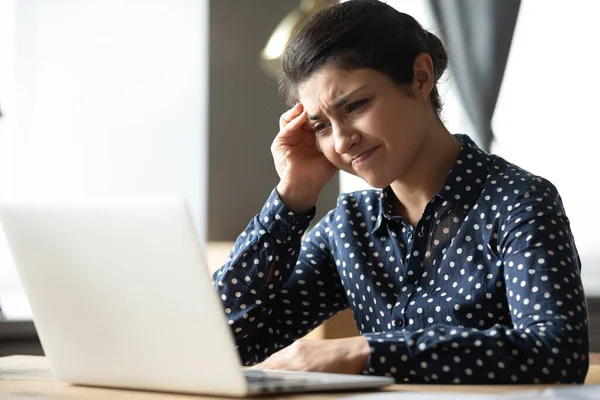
(343, 356)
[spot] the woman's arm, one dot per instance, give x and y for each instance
(274, 287)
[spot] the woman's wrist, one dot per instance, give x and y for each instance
(298, 199)
(358, 352)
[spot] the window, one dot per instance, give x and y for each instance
(547, 112)
(100, 111)
(11, 298)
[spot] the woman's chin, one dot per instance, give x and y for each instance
(377, 182)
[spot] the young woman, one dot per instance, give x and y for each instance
(461, 268)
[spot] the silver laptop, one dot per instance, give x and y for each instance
(121, 297)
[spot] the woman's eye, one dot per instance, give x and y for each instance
(357, 104)
(319, 127)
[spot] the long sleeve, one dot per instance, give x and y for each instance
(548, 339)
(275, 286)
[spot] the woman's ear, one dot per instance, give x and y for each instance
(423, 76)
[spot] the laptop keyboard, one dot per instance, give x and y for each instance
(270, 381)
(261, 377)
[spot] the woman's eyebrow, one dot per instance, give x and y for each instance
(337, 103)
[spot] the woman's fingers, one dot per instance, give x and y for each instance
(295, 123)
(292, 132)
(290, 115)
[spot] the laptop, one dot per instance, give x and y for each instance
(121, 297)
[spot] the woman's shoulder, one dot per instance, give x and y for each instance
(510, 189)
(503, 172)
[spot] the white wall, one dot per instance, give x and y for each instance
(111, 97)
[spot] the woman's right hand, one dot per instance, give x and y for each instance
(303, 169)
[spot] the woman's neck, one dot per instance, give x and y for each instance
(427, 174)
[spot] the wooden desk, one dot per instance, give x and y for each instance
(29, 377)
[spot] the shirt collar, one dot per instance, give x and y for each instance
(461, 188)
(386, 207)
(468, 174)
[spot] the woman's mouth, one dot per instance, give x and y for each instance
(363, 157)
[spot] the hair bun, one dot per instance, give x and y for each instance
(436, 50)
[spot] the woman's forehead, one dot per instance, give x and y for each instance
(329, 84)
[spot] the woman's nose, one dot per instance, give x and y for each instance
(345, 139)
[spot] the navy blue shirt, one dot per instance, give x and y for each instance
(485, 289)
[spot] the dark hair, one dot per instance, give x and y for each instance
(361, 34)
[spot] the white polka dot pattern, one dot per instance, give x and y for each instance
(485, 289)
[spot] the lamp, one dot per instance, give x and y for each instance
(290, 25)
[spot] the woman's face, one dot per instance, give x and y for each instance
(365, 124)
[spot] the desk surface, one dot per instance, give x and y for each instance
(29, 377)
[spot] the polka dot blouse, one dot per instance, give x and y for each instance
(485, 289)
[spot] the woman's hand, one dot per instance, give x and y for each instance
(343, 356)
(303, 170)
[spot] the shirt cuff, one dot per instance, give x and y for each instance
(388, 354)
(282, 223)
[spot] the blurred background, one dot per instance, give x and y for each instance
(180, 96)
